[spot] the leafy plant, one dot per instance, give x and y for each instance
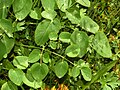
(53, 44)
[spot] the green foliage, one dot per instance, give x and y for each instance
(45, 43)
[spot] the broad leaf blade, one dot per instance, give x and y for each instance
(16, 76)
(34, 56)
(39, 71)
(88, 24)
(61, 69)
(86, 73)
(80, 38)
(65, 37)
(73, 14)
(63, 4)
(44, 29)
(33, 84)
(49, 14)
(100, 73)
(22, 8)
(72, 50)
(101, 45)
(2, 50)
(9, 86)
(48, 4)
(21, 62)
(6, 26)
(85, 3)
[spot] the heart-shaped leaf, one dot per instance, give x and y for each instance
(39, 71)
(61, 69)
(16, 76)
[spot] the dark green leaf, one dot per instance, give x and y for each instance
(9, 43)
(2, 50)
(6, 26)
(39, 71)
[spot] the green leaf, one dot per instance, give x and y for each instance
(44, 29)
(34, 56)
(85, 3)
(53, 44)
(100, 73)
(16, 76)
(2, 50)
(9, 86)
(36, 13)
(46, 57)
(39, 71)
(61, 69)
(63, 4)
(7, 64)
(22, 8)
(81, 39)
(88, 24)
(106, 87)
(9, 43)
(72, 50)
(33, 84)
(6, 26)
(65, 37)
(5, 3)
(101, 45)
(53, 36)
(86, 73)
(21, 62)
(49, 14)
(73, 14)
(48, 4)
(75, 71)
